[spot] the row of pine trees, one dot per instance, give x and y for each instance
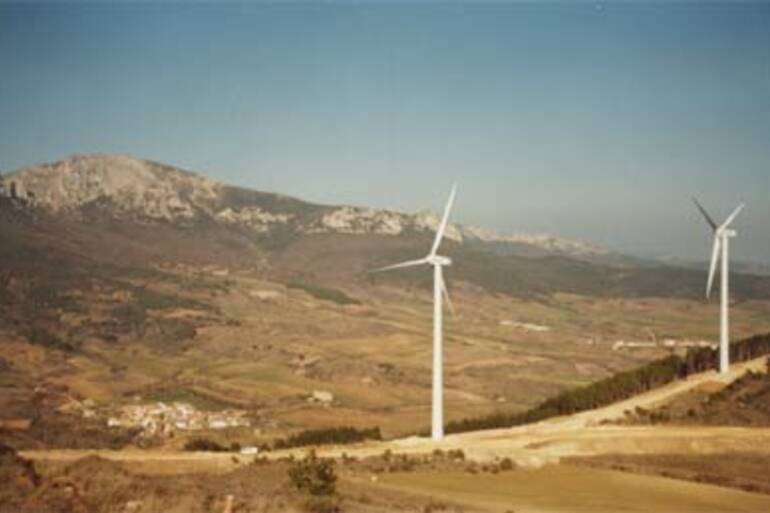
(620, 386)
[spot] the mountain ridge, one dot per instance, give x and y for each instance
(161, 192)
(161, 215)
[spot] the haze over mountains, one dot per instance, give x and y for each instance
(154, 211)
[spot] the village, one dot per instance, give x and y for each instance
(161, 419)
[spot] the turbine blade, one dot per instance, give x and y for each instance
(732, 216)
(713, 269)
(444, 221)
(409, 263)
(705, 214)
(445, 292)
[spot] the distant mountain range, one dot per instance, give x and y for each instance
(139, 189)
(119, 210)
(743, 267)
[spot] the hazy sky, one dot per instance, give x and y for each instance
(588, 120)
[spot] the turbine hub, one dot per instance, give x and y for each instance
(728, 233)
(439, 260)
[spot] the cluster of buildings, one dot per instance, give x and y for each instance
(668, 343)
(163, 419)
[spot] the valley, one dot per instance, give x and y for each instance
(157, 323)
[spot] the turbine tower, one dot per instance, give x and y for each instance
(722, 235)
(439, 291)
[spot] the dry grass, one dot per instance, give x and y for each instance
(565, 488)
(744, 471)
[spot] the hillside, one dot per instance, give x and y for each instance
(124, 210)
(745, 402)
(129, 283)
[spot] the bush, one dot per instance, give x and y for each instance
(314, 476)
(42, 337)
(337, 436)
(152, 300)
(203, 444)
(333, 295)
(456, 455)
(322, 505)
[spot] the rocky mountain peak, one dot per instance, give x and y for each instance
(135, 188)
(131, 184)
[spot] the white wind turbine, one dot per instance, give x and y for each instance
(439, 290)
(722, 235)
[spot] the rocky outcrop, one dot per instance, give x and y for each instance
(126, 186)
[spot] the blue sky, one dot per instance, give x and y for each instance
(588, 120)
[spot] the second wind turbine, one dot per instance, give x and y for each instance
(722, 235)
(439, 291)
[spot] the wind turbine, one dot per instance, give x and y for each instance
(722, 235)
(439, 291)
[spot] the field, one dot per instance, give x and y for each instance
(742, 470)
(583, 462)
(568, 489)
(374, 357)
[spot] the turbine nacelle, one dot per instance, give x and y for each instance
(722, 232)
(438, 260)
(726, 233)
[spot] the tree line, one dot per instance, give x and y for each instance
(336, 436)
(619, 386)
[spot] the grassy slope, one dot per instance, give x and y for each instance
(745, 471)
(570, 489)
(375, 357)
(745, 402)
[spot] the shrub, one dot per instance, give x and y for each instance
(434, 506)
(322, 505)
(314, 476)
(456, 455)
(333, 295)
(203, 444)
(506, 464)
(42, 337)
(152, 300)
(338, 436)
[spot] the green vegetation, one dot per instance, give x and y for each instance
(204, 444)
(132, 315)
(152, 300)
(314, 475)
(58, 431)
(176, 330)
(42, 337)
(46, 296)
(336, 436)
(619, 386)
(744, 402)
(316, 478)
(326, 294)
(194, 398)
